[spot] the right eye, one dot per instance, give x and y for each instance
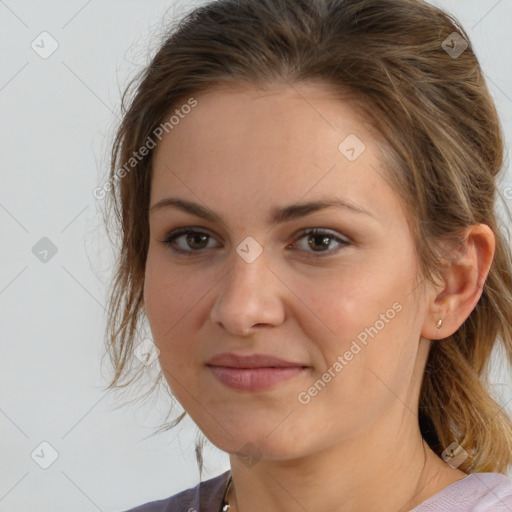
(194, 241)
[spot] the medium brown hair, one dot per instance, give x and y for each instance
(445, 148)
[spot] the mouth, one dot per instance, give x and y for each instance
(256, 372)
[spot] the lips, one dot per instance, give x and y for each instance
(252, 361)
(257, 372)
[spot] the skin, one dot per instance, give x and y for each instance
(356, 445)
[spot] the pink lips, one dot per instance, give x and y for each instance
(252, 373)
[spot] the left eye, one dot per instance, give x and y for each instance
(320, 239)
(196, 241)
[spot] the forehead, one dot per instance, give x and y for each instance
(250, 145)
(274, 116)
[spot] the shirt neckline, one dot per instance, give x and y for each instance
(424, 502)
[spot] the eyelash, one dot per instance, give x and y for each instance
(169, 241)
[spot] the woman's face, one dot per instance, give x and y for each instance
(342, 306)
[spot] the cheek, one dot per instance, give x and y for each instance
(341, 303)
(364, 311)
(169, 302)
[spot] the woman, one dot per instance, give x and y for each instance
(306, 193)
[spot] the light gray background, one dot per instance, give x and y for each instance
(57, 119)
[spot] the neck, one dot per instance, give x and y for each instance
(362, 473)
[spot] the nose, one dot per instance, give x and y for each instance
(248, 297)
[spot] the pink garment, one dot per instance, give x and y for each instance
(477, 492)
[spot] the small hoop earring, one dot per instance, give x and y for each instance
(439, 322)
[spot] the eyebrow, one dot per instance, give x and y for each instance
(277, 215)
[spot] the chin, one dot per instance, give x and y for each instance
(256, 445)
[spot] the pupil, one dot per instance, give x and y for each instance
(192, 238)
(324, 240)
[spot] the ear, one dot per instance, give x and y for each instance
(464, 276)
